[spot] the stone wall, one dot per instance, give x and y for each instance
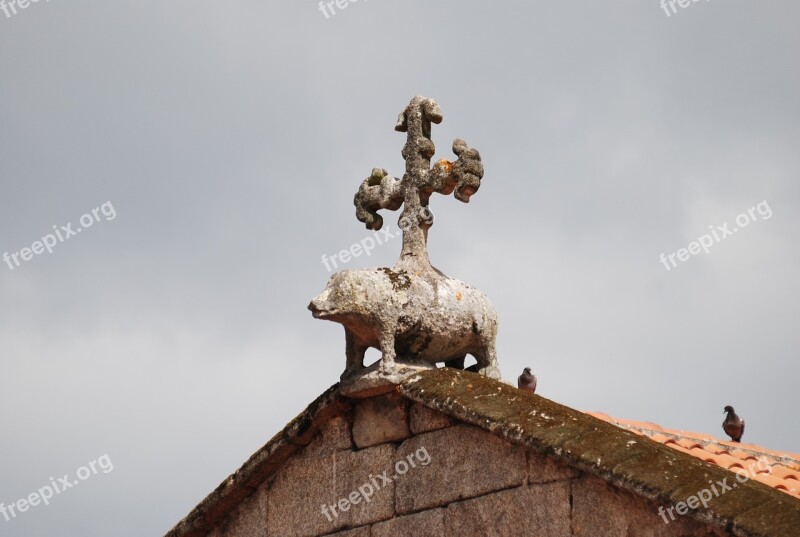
(432, 476)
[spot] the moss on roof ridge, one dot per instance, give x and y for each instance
(631, 461)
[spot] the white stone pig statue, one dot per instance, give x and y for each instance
(412, 318)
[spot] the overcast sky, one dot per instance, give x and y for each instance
(228, 140)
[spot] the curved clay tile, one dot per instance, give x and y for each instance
(688, 443)
(661, 438)
(717, 450)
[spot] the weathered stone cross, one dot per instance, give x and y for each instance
(382, 191)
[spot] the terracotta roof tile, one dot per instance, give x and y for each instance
(743, 455)
(688, 443)
(777, 469)
(604, 417)
(711, 448)
(659, 438)
(710, 459)
(681, 448)
(729, 461)
(646, 425)
(785, 473)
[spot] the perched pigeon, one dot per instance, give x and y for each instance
(527, 381)
(733, 425)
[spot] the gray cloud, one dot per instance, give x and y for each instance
(231, 139)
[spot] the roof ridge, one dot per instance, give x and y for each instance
(597, 446)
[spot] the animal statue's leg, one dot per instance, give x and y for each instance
(387, 348)
(354, 352)
(457, 363)
(487, 361)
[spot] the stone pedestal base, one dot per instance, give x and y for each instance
(370, 382)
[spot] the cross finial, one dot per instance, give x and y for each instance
(382, 191)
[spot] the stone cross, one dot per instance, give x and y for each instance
(382, 191)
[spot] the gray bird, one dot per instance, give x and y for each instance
(733, 425)
(527, 381)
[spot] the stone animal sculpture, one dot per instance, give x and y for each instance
(408, 317)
